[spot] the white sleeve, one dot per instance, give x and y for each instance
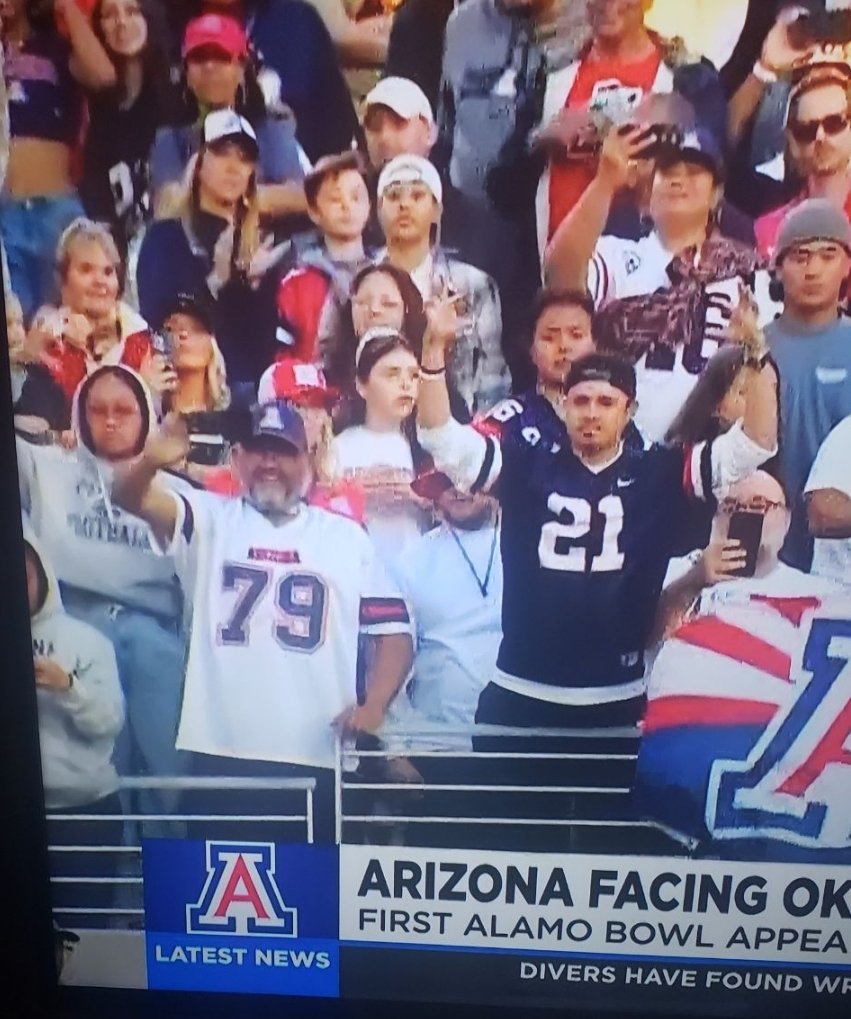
(832, 466)
(607, 270)
(195, 512)
(734, 456)
(469, 459)
(383, 610)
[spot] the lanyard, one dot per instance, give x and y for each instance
(481, 584)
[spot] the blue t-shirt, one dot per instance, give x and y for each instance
(815, 395)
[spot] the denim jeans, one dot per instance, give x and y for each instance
(150, 655)
(30, 229)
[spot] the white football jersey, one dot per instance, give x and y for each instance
(276, 614)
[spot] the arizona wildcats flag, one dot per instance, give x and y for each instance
(747, 738)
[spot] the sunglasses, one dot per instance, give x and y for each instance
(806, 131)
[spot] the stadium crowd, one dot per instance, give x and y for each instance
(377, 366)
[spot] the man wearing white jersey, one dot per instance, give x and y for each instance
(279, 592)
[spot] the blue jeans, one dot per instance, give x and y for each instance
(30, 229)
(150, 655)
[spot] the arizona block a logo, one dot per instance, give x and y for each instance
(241, 895)
(795, 783)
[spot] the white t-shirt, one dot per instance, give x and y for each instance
(359, 450)
(832, 469)
(623, 268)
(276, 615)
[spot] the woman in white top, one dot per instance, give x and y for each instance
(378, 449)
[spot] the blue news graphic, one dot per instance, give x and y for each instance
(241, 916)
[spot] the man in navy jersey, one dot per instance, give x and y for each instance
(589, 524)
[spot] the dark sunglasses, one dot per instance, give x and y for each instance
(806, 131)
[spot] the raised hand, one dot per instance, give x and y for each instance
(624, 145)
(744, 328)
(721, 560)
(779, 54)
(443, 320)
(158, 374)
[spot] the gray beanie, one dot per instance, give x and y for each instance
(816, 219)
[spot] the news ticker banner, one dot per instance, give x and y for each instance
(548, 929)
(557, 928)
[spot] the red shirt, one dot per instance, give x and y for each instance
(597, 84)
(69, 365)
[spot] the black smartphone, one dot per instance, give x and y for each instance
(746, 527)
(208, 444)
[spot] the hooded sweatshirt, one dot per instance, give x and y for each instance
(77, 727)
(95, 546)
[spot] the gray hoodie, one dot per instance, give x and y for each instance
(77, 727)
(94, 545)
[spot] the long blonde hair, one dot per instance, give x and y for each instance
(217, 379)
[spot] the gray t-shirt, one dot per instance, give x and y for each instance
(815, 395)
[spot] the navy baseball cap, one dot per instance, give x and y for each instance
(192, 305)
(698, 145)
(603, 367)
(278, 420)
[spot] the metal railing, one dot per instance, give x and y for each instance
(476, 811)
(130, 854)
(597, 806)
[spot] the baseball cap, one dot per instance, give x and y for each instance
(220, 31)
(278, 420)
(190, 304)
(224, 125)
(815, 219)
(603, 368)
(411, 170)
(401, 95)
(297, 382)
(697, 145)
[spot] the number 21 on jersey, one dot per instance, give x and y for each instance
(571, 559)
(300, 599)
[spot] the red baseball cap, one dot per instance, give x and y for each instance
(216, 30)
(299, 382)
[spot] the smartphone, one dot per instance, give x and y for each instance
(208, 445)
(746, 527)
(163, 344)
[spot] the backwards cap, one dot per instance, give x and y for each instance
(411, 170)
(603, 368)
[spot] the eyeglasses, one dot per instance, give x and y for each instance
(806, 131)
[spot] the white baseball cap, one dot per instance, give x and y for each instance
(223, 124)
(403, 96)
(411, 170)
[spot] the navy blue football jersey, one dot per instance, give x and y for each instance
(585, 554)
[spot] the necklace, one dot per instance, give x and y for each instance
(481, 584)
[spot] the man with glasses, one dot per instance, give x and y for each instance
(818, 134)
(725, 675)
(811, 345)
